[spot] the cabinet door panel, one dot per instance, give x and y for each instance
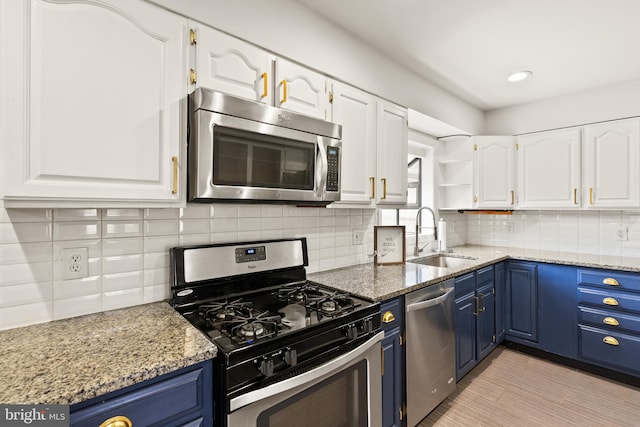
(494, 172)
(522, 301)
(306, 90)
(392, 154)
(229, 65)
(356, 112)
(612, 155)
(557, 291)
(486, 320)
(500, 302)
(101, 98)
(465, 335)
(549, 169)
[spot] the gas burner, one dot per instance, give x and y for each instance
(253, 329)
(300, 293)
(329, 306)
(225, 310)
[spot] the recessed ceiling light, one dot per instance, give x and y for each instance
(519, 76)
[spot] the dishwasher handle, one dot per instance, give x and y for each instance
(430, 302)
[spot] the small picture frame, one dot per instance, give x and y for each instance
(389, 244)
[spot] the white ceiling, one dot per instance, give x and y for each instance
(470, 46)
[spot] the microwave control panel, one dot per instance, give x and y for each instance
(333, 167)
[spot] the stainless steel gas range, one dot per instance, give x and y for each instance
(291, 351)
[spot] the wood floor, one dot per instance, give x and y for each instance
(510, 388)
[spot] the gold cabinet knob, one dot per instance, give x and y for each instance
(610, 301)
(610, 340)
(611, 321)
(388, 317)
(119, 421)
(610, 281)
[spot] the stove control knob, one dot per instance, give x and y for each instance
(367, 325)
(352, 332)
(291, 357)
(265, 366)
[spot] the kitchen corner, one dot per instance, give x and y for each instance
(73, 360)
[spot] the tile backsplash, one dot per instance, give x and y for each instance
(128, 251)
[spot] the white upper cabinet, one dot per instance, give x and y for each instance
(392, 146)
(93, 102)
(549, 170)
(230, 65)
(494, 172)
(611, 162)
(301, 90)
(374, 148)
(356, 112)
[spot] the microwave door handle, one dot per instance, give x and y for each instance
(321, 169)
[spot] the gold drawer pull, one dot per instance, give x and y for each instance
(610, 281)
(610, 301)
(610, 340)
(119, 421)
(388, 317)
(611, 321)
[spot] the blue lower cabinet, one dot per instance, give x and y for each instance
(393, 370)
(475, 318)
(610, 349)
(522, 301)
(501, 302)
(557, 292)
(180, 398)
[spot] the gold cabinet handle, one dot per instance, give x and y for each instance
(174, 159)
(265, 80)
(119, 421)
(513, 197)
(373, 187)
(590, 196)
(192, 36)
(610, 340)
(610, 281)
(610, 301)
(284, 93)
(575, 196)
(384, 188)
(388, 317)
(611, 321)
(192, 76)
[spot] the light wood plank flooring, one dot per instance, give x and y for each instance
(510, 388)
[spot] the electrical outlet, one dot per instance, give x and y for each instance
(508, 226)
(357, 236)
(75, 263)
(622, 233)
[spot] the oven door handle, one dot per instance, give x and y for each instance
(307, 377)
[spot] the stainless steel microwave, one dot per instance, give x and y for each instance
(243, 150)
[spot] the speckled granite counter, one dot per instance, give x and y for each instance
(72, 360)
(389, 281)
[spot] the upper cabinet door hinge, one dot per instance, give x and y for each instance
(517, 147)
(494, 338)
(475, 147)
(330, 97)
(192, 37)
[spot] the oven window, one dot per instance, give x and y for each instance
(242, 158)
(338, 401)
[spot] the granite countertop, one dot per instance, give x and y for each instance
(388, 281)
(72, 360)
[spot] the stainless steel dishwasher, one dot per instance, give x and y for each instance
(431, 358)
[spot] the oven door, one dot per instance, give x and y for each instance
(235, 158)
(346, 391)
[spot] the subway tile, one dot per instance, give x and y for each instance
(122, 246)
(326, 221)
(272, 234)
(166, 213)
(271, 211)
(122, 281)
(121, 214)
(224, 237)
(27, 314)
(25, 293)
(193, 211)
(309, 222)
(111, 229)
(76, 214)
(291, 211)
(77, 306)
(122, 298)
(76, 230)
(160, 243)
(194, 239)
(309, 212)
(249, 211)
(25, 232)
(247, 236)
(156, 276)
(25, 215)
(161, 227)
(221, 225)
(355, 220)
(16, 274)
(272, 223)
(20, 253)
(156, 260)
(224, 211)
(194, 226)
(156, 293)
(64, 289)
(249, 224)
(122, 263)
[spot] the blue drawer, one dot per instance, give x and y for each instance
(610, 320)
(609, 300)
(391, 314)
(610, 279)
(620, 353)
(465, 284)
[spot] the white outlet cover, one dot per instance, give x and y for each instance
(75, 263)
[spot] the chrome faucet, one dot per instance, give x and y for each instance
(417, 249)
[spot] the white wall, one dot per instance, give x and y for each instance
(290, 29)
(595, 105)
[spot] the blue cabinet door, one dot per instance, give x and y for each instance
(557, 290)
(501, 302)
(465, 324)
(393, 383)
(522, 300)
(486, 341)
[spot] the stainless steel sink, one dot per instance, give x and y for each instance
(443, 261)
